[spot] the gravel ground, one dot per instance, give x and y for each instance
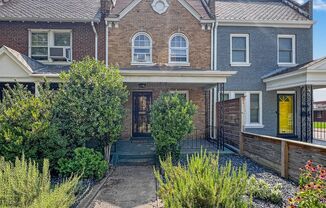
(288, 187)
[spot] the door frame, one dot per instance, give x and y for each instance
(133, 134)
(287, 135)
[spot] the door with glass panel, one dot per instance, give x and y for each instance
(286, 112)
(141, 114)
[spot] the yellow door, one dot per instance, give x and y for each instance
(286, 114)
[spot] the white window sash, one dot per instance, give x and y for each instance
(179, 48)
(293, 49)
(133, 61)
(247, 49)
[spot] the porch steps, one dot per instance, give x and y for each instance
(133, 152)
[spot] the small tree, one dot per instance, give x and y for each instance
(90, 104)
(26, 126)
(171, 120)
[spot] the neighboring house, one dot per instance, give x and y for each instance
(261, 49)
(320, 111)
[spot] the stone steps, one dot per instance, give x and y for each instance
(134, 152)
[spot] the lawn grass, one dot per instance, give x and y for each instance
(320, 125)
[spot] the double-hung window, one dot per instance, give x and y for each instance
(183, 93)
(178, 50)
(50, 45)
(39, 46)
(141, 49)
(286, 49)
(239, 48)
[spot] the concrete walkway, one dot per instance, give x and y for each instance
(127, 187)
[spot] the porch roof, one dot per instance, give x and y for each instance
(310, 73)
(208, 77)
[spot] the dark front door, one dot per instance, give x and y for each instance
(141, 102)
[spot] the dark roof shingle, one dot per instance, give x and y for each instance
(51, 10)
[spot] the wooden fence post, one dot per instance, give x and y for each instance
(284, 159)
(241, 136)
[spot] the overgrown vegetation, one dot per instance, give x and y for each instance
(26, 126)
(171, 120)
(262, 190)
(23, 185)
(89, 104)
(203, 184)
(312, 187)
(85, 162)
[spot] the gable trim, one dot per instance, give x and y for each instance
(4, 50)
(134, 3)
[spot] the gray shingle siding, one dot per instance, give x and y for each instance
(263, 59)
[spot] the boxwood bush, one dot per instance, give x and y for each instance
(87, 162)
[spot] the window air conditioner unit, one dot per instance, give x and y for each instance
(60, 53)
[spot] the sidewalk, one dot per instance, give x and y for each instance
(127, 187)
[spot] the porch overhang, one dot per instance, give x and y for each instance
(313, 73)
(203, 77)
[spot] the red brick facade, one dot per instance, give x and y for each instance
(15, 36)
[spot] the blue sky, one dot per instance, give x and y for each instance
(319, 38)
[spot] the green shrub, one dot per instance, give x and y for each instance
(203, 184)
(312, 187)
(23, 185)
(171, 120)
(85, 161)
(262, 190)
(26, 126)
(90, 103)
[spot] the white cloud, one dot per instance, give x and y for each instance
(318, 4)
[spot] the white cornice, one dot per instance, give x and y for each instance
(279, 24)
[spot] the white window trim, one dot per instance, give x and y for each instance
(133, 62)
(177, 63)
(247, 62)
(293, 63)
(247, 123)
(181, 92)
(50, 44)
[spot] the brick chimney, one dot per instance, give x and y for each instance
(106, 6)
(308, 7)
(211, 5)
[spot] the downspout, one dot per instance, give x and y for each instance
(106, 43)
(215, 91)
(96, 39)
(215, 45)
(212, 46)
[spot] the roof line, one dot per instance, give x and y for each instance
(49, 20)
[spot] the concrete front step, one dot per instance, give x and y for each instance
(141, 159)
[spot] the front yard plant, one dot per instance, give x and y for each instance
(85, 162)
(90, 103)
(171, 120)
(312, 187)
(203, 183)
(26, 126)
(23, 185)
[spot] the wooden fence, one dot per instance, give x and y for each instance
(284, 156)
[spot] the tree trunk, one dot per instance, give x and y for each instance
(107, 152)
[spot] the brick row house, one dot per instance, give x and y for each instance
(259, 49)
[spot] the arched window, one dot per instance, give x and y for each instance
(141, 48)
(179, 51)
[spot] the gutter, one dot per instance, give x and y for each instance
(212, 46)
(96, 40)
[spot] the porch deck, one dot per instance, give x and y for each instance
(141, 151)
